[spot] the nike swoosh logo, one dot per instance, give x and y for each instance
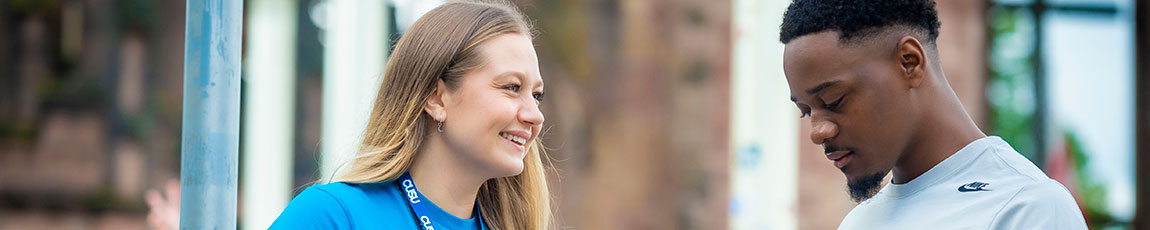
(973, 187)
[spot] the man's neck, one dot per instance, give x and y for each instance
(450, 185)
(936, 140)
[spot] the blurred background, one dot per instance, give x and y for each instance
(662, 114)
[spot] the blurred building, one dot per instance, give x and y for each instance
(90, 100)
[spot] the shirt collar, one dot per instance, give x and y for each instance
(948, 167)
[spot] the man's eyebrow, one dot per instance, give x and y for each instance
(817, 88)
(820, 87)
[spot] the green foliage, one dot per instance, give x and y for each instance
(1092, 193)
(1010, 89)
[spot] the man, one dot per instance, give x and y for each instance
(867, 75)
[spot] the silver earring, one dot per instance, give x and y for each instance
(440, 128)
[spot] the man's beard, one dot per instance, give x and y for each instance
(865, 187)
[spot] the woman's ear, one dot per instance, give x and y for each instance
(435, 106)
(912, 59)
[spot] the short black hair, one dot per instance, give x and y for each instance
(856, 20)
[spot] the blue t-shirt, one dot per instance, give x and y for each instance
(380, 205)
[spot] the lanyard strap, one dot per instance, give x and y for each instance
(418, 204)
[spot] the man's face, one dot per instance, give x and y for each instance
(859, 102)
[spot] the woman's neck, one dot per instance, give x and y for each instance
(443, 180)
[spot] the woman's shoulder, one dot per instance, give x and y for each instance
(348, 188)
(317, 207)
(337, 205)
(358, 193)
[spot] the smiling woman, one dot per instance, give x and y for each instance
(451, 140)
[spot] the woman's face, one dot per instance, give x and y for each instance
(493, 114)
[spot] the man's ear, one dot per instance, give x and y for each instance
(435, 106)
(912, 58)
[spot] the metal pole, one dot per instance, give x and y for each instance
(1142, 115)
(210, 139)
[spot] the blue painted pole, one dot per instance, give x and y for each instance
(210, 141)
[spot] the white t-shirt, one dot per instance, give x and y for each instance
(986, 185)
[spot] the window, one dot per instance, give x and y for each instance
(1061, 90)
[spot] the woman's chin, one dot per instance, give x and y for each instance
(506, 169)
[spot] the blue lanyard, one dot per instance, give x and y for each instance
(417, 203)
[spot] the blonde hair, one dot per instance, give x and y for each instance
(443, 45)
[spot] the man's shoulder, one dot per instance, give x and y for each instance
(1044, 192)
(1047, 202)
(1000, 169)
(1014, 162)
